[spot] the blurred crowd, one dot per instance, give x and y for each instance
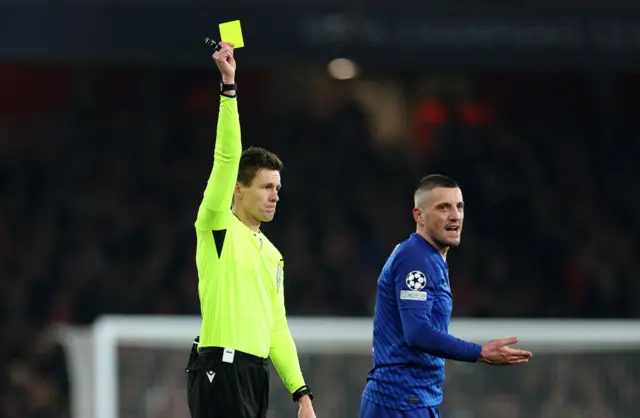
(100, 184)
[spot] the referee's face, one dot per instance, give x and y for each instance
(260, 199)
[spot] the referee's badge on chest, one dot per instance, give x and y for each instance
(279, 274)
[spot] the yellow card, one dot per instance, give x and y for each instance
(232, 32)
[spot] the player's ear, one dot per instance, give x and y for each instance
(418, 215)
(237, 192)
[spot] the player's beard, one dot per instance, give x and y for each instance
(442, 241)
(451, 242)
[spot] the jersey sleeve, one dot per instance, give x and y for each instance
(215, 208)
(283, 352)
(415, 292)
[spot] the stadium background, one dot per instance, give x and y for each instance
(107, 125)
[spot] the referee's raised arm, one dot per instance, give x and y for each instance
(215, 208)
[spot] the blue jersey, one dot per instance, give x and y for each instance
(410, 329)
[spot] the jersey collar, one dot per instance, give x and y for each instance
(243, 224)
(428, 246)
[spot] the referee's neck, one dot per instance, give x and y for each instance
(250, 221)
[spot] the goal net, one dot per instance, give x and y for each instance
(134, 367)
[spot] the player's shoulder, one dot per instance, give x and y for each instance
(413, 254)
(410, 247)
(402, 253)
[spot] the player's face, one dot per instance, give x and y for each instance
(260, 199)
(442, 215)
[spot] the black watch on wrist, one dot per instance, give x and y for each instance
(304, 390)
(228, 87)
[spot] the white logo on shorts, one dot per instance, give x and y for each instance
(211, 375)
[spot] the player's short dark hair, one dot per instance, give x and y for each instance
(433, 181)
(254, 159)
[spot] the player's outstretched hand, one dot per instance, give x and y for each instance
(498, 353)
(226, 62)
(306, 408)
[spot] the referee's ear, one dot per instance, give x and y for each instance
(237, 192)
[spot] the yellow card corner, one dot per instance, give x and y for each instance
(232, 32)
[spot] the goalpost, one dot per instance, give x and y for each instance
(134, 367)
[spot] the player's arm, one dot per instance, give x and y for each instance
(416, 309)
(283, 352)
(215, 209)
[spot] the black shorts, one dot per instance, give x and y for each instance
(218, 389)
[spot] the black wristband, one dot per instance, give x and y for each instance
(228, 87)
(303, 391)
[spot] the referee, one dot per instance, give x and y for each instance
(240, 275)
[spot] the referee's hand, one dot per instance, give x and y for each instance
(226, 62)
(497, 352)
(306, 408)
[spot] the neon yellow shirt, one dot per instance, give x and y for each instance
(240, 273)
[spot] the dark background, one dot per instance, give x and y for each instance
(107, 126)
